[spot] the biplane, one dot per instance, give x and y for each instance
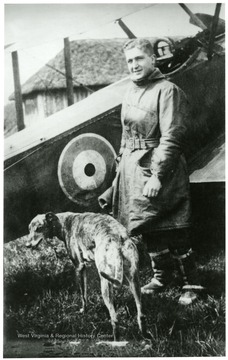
(66, 161)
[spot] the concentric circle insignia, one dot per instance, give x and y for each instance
(86, 168)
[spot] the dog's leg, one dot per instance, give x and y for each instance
(82, 279)
(107, 293)
(84, 274)
(134, 284)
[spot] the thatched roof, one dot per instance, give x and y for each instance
(94, 63)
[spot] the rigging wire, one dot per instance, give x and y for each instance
(76, 82)
(72, 78)
(82, 32)
(52, 67)
(71, 35)
(23, 158)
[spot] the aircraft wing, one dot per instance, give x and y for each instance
(209, 164)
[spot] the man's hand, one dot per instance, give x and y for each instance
(152, 187)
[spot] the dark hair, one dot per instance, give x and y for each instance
(142, 44)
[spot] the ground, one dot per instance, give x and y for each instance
(42, 319)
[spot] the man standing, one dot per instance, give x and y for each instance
(151, 188)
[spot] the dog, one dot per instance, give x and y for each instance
(100, 238)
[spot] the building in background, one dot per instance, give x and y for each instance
(95, 64)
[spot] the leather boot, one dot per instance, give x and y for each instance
(161, 265)
(187, 269)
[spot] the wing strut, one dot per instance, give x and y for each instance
(17, 92)
(213, 31)
(194, 17)
(125, 29)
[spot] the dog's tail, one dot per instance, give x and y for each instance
(110, 263)
(116, 267)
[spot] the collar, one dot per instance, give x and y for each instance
(153, 76)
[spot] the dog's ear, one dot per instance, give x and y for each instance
(50, 218)
(53, 225)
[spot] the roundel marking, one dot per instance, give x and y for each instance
(94, 169)
(85, 168)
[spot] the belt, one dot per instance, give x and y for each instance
(141, 144)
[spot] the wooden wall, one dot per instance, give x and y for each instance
(38, 106)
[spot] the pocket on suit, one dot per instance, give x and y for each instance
(144, 163)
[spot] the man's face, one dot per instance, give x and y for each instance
(140, 64)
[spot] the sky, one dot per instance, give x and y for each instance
(37, 30)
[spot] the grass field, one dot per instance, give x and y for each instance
(42, 319)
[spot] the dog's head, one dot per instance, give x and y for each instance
(42, 227)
